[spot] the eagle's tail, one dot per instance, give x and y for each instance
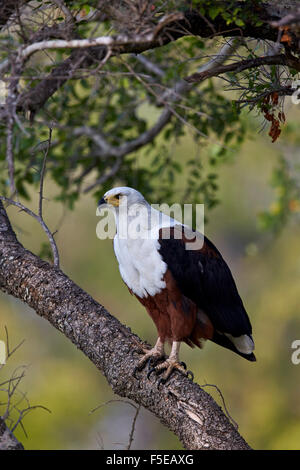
(242, 345)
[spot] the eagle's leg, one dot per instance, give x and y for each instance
(170, 364)
(151, 355)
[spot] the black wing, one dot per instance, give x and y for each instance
(204, 277)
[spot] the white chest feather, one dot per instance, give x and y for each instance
(141, 266)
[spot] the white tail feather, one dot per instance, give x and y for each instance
(243, 344)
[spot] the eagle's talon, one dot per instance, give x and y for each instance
(150, 357)
(162, 380)
(150, 372)
(156, 370)
(138, 368)
(190, 375)
(152, 362)
(136, 352)
(135, 370)
(169, 365)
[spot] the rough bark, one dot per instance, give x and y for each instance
(181, 405)
(7, 439)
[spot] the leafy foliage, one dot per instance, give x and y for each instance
(111, 103)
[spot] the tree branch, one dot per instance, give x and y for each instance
(40, 220)
(169, 97)
(279, 59)
(120, 43)
(181, 405)
(189, 22)
(7, 439)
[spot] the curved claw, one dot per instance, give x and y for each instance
(135, 370)
(150, 363)
(162, 380)
(183, 364)
(150, 372)
(190, 375)
(137, 351)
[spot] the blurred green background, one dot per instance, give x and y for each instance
(263, 397)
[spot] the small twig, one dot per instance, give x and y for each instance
(9, 154)
(167, 20)
(12, 389)
(137, 410)
(10, 110)
(11, 352)
(24, 412)
(39, 216)
(10, 105)
(112, 401)
(224, 404)
(133, 427)
(42, 223)
(10, 380)
(43, 174)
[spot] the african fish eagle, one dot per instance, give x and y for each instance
(190, 294)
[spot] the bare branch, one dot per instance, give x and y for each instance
(138, 408)
(172, 95)
(43, 174)
(67, 12)
(9, 351)
(10, 155)
(10, 113)
(39, 216)
(292, 18)
(239, 66)
(114, 43)
(151, 66)
(42, 223)
(14, 405)
(190, 22)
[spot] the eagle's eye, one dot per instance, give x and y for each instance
(117, 196)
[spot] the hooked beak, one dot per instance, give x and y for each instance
(101, 202)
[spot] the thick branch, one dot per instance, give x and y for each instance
(181, 405)
(121, 43)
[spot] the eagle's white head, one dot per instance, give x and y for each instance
(135, 218)
(121, 196)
